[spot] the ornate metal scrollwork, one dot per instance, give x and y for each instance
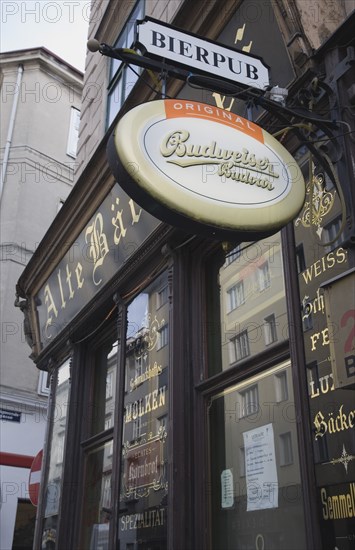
(319, 203)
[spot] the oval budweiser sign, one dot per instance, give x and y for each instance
(205, 169)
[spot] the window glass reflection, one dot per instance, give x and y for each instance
(56, 456)
(252, 302)
(255, 480)
(144, 486)
(97, 499)
(103, 403)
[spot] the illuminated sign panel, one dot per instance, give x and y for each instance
(201, 55)
(205, 170)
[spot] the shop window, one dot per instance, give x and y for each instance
(103, 399)
(235, 296)
(249, 401)
(122, 77)
(245, 333)
(239, 347)
(97, 497)
(286, 453)
(270, 334)
(249, 478)
(97, 502)
(144, 457)
(264, 276)
(56, 446)
(281, 388)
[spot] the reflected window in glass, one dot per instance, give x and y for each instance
(239, 347)
(270, 334)
(235, 296)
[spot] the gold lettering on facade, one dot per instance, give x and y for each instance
(143, 520)
(340, 506)
(239, 37)
(98, 247)
(321, 337)
(328, 261)
(68, 279)
(135, 216)
(344, 459)
(325, 385)
(48, 299)
(148, 374)
(145, 404)
(219, 99)
(314, 306)
(139, 471)
(78, 272)
(61, 289)
(117, 223)
(332, 425)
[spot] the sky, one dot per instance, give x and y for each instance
(61, 26)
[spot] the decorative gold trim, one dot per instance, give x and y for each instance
(344, 459)
(319, 203)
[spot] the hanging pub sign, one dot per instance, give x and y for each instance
(201, 55)
(205, 169)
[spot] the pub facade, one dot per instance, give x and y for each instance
(202, 360)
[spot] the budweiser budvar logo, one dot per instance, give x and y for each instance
(241, 166)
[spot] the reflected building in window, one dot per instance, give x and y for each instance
(253, 305)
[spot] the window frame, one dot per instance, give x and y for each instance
(73, 133)
(286, 453)
(250, 392)
(163, 336)
(264, 282)
(117, 75)
(270, 330)
(235, 296)
(242, 339)
(281, 386)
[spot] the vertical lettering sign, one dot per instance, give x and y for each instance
(327, 326)
(113, 234)
(144, 486)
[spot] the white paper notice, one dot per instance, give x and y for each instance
(260, 467)
(227, 491)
